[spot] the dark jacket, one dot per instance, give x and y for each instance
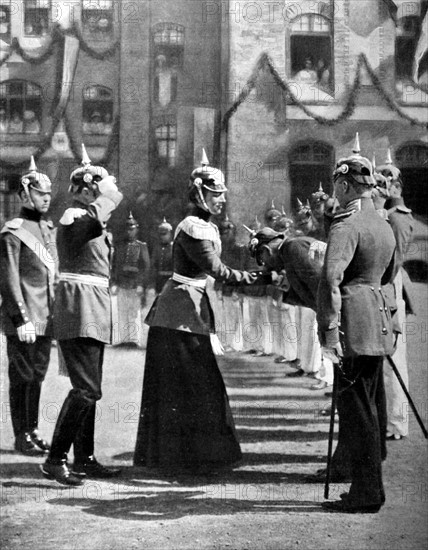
(359, 260)
(302, 273)
(27, 272)
(196, 254)
(131, 264)
(84, 248)
(161, 265)
(402, 224)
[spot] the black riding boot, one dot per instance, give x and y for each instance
(33, 403)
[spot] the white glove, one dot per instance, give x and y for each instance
(333, 354)
(27, 333)
(113, 290)
(216, 345)
(107, 185)
(139, 290)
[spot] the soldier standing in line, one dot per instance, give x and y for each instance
(354, 319)
(130, 274)
(83, 319)
(27, 271)
(402, 223)
(162, 256)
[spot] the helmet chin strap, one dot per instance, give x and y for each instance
(28, 196)
(202, 202)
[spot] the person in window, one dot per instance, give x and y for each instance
(96, 125)
(31, 124)
(307, 75)
(186, 423)
(15, 124)
(104, 26)
(165, 82)
(107, 125)
(323, 75)
(4, 28)
(3, 121)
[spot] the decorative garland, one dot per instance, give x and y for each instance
(57, 34)
(265, 63)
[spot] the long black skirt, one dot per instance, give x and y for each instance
(185, 419)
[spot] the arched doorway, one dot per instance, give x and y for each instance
(412, 159)
(311, 163)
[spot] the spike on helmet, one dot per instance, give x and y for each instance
(207, 177)
(356, 167)
(164, 227)
(319, 196)
(389, 170)
(34, 179)
(303, 213)
(271, 214)
(86, 174)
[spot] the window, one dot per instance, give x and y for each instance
(164, 82)
(406, 41)
(311, 60)
(36, 17)
(97, 19)
(310, 165)
(20, 107)
(97, 115)
(168, 41)
(166, 139)
(4, 23)
(10, 203)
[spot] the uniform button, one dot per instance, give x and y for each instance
(26, 319)
(381, 309)
(384, 331)
(20, 304)
(386, 309)
(380, 289)
(22, 310)
(372, 288)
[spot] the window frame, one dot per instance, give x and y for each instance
(105, 36)
(8, 96)
(167, 160)
(48, 9)
(86, 102)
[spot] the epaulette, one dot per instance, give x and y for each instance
(344, 215)
(198, 229)
(400, 208)
(12, 224)
(71, 214)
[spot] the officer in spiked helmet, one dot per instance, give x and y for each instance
(27, 271)
(82, 318)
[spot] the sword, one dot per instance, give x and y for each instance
(406, 391)
(331, 429)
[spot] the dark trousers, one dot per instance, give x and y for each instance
(362, 416)
(83, 358)
(28, 364)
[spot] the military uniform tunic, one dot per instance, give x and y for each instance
(353, 306)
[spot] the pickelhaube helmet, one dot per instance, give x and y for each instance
(389, 170)
(283, 224)
(131, 222)
(87, 174)
(164, 227)
(319, 196)
(226, 225)
(272, 214)
(303, 213)
(207, 177)
(260, 238)
(355, 167)
(34, 179)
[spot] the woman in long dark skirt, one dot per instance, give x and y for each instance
(186, 421)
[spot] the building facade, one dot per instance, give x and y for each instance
(274, 91)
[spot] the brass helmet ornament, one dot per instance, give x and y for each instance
(206, 177)
(355, 167)
(87, 175)
(131, 222)
(164, 227)
(390, 171)
(34, 179)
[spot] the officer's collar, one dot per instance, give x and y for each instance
(395, 201)
(362, 203)
(31, 214)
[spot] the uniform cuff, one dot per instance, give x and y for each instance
(330, 338)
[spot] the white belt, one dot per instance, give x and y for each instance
(200, 283)
(85, 279)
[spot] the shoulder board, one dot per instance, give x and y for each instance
(12, 224)
(50, 224)
(198, 229)
(400, 208)
(344, 215)
(71, 214)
